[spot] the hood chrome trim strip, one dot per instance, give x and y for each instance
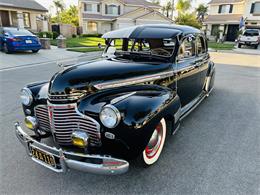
(134, 80)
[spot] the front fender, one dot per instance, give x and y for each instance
(141, 111)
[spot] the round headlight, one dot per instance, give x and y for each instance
(26, 96)
(110, 116)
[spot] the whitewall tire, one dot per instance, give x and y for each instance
(154, 148)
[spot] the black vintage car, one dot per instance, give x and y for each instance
(101, 114)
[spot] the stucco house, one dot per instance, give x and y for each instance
(23, 14)
(225, 16)
(101, 16)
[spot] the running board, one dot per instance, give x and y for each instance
(192, 105)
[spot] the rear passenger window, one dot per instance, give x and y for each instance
(187, 49)
(201, 45)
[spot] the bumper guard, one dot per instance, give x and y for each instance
(97, 164)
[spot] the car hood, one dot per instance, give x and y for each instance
(85, 76)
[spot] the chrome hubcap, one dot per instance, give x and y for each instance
(155, 142)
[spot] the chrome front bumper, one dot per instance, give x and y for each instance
(96, 164)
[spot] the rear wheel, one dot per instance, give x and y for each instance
(155, 146)
(35, 51)
(256, 46)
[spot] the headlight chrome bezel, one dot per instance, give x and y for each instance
(29, 95)
(116, 112)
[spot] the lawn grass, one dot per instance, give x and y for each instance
(221, 46)
(82, 42)
(85, 49)
(85, 42)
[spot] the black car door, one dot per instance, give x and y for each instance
(188, 71)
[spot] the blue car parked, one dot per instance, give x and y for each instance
(15, 39)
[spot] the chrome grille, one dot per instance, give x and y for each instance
(41, 113)
(66, 119)
(62, 120)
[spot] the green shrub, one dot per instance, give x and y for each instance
(74, 36)
(46, 34)
(91, 35)
(55, 35)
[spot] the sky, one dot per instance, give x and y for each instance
(48, 3)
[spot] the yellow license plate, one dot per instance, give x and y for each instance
(43, 156)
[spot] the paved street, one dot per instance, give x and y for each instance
(216, 150)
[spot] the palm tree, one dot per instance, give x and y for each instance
(60, 6)
(201, 12)
(183, 6)
(167, 9)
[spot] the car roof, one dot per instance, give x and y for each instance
(152, 31)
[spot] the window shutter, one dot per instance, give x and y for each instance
(219, 9)
(106, 9)
(252, 8)
(98, 8)
(85, 7)
(119, 10)
(231, 9)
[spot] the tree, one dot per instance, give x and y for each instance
(59, 6)
(188, 19)
(201, 12)
(167, 9)
(68, 16)
(183, 6)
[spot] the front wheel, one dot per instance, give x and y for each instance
(155, 145)
(239, 45)
(35, 51)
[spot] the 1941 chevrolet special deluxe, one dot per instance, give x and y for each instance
(101, 114)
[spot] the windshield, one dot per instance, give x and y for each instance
(18, 32)
(141, 48)
(251, 33)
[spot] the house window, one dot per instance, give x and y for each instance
(92, 27)
(14, 18)
(26, 20)
(112, 10)
(98, 8)
(88, 7)
(255, 8)
(224, 9)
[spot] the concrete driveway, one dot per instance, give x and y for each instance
(19, 59)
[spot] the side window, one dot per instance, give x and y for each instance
(187, 49)
(201, 45)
